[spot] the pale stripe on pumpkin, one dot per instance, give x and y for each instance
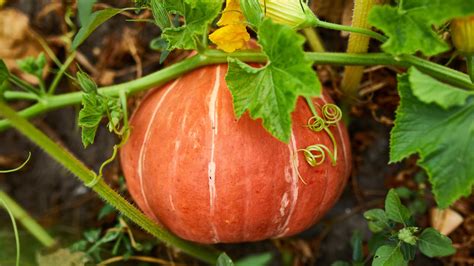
(143, 148)
(294, 163)
(212, 164)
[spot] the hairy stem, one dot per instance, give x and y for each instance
(27, 221)
(49, 102)
(66, 159)
(357, 44)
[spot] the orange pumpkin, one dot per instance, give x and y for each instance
(211, 178)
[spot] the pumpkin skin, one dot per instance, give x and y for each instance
(211, 178)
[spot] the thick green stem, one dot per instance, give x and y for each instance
(48, 102)
(27, 221)
(66, 159)
(357, 44)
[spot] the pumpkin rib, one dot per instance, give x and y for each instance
(212, 168)
(144, 146)
(294, 189)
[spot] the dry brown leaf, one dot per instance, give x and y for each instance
(445, 221)
(17, 41)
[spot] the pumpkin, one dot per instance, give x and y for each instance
(211, 178)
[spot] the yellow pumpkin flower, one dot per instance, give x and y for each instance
(462, 33)
(289, 12)
(233, 33)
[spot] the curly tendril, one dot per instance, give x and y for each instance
(316, 123)
(332, 114)
(316, 154)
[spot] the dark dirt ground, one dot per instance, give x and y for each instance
(63, 205)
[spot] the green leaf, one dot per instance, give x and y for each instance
(86, 83)
(408, 251)
(377, 240)
(90, 116)
(253, 12)
(270, 92)
(394, 208)
(356, 243)
(255, 260)
(388, 256)
(406, 235)
(95, 20)
(377, 219)
(159, 44)
(442, 138)
(410, 26)
(224, 260)
(84, 10)
(92, 235)
(160, 14)
(430, 90)
(33, 66)
(404, 192)
(198, 14)
(340, 263)
(434, 244)
(94, 107)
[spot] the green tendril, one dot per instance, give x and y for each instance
(332, 114)
(123, 133)
(19, 167)
(15, 231)
(316, 154)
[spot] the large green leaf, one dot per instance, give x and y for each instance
(388, 256)
(430, 90)
(270, 92)
(444, 140)
(197, 15)
(410, 25)
(434, 244)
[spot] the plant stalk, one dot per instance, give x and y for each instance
(314, 40)
(66, 159)
(363, 31)
(357, 44)
(27, 221)
(62, 70)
